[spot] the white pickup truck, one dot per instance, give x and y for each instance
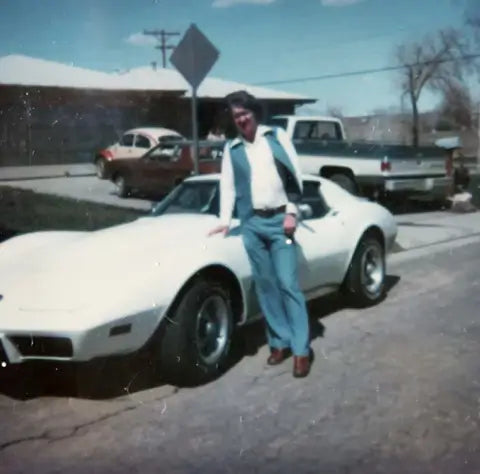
(371, 169)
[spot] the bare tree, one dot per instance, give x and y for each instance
(434, 63)
(457, 106)
(335, 111)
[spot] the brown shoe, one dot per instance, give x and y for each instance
(277, 356)
(301, 366)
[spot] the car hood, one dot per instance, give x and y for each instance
(103, 264)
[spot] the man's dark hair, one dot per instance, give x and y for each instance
(247, 101)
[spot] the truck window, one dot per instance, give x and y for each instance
(320, 130)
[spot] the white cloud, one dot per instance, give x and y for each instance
(339, 3)
(139, 39)
(231, 3)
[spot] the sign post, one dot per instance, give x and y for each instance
(194, 57)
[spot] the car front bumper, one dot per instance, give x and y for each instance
(116, 337)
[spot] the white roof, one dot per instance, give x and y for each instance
(160, 131)
(28, 71)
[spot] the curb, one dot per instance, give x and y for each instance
(433, 248)
(52, 176)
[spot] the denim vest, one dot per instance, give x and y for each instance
(242, 175)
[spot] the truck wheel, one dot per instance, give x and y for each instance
(344, 181)
(196, 339)
(365, 280)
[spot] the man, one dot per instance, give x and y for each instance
(260, 174)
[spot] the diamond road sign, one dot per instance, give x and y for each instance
(194, 56)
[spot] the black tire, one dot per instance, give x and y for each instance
(122, 189)
(356, 284)
(100, 168)
(180, 354)
(344, 181)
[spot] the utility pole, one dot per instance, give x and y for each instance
(162, 36)
(478, 136)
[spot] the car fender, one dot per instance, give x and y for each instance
(379, 220)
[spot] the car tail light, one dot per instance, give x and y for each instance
(106, 154)
(385, 165)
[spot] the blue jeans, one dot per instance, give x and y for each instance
(274, 262)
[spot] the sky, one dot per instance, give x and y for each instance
(259, 41)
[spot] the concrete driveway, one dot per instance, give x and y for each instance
(393, 390)
(84, 188)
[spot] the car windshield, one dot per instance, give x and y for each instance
(200, 197)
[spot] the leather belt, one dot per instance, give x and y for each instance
(269, 212)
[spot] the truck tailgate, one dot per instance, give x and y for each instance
(417, 166)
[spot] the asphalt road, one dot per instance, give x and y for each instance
(393, 389)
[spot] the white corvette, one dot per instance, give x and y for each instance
(161, 282)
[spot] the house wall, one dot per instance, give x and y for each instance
(56, 126)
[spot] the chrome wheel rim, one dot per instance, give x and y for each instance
(100, 168)
(373, 271)
(212, 329)
(120, 183)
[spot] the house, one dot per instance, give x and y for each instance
(60, 113)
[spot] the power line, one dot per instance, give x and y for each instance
(162, 36)
(348, 41)
(365, 71)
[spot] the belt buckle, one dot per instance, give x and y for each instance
(269, 211)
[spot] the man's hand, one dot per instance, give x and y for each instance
(221, 229)
(289, 224)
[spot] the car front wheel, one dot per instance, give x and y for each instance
(365, 280)
(121, 185)
(196, 341)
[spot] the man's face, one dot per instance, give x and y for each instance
(245, 121)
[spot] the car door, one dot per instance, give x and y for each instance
(322, 241)
(157, 172)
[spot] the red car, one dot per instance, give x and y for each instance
(156, 173)
(133, 144)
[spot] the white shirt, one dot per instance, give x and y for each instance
(266, 186)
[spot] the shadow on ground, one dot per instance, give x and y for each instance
(115, 377)
(252, 338)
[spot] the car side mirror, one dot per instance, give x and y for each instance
(306, 211)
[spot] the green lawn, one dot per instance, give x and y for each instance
(25, 211)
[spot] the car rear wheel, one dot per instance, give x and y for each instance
(365, 280)
(100, 168)
(196, 339)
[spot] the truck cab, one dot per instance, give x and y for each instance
(310, 127)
